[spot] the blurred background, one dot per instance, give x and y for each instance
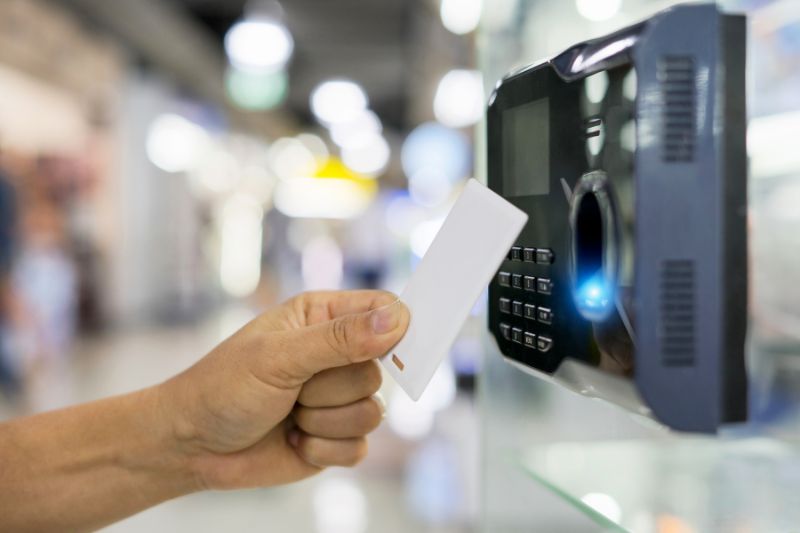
(169, 168)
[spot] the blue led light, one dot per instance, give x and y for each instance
(594, 297)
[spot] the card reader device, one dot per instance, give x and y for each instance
(629, 280)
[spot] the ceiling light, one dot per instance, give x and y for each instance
(259, 44)
(461, 16)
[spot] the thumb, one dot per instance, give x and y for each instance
(349, 339)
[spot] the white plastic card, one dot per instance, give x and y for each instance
(459, 264)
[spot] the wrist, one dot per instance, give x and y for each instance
(164, 453)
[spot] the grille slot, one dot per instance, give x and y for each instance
(676, 75)
(677, 306)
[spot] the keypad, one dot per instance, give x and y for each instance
(530, 311)
(529, 339)
(526, 298)
(529, 255)
(544, 256)
(529, 283)
(544, 344)
(544, 315)
(544, 286)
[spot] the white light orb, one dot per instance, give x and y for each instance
(259, 44)
(335, 101)
(459, 99)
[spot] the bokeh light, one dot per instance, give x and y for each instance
(257, 91)
(356, 131)
(240, 230)
(259, 44)
(460, 16)
(174, 144)
(598, 10)
(459, 99)
(290, 158)
(369, 157)
(436, 148)
(338, 100)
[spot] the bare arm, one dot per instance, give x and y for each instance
(286, 396)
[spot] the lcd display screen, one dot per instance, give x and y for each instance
(526, 149)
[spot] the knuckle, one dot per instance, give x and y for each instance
(340, 338)
(308, 419)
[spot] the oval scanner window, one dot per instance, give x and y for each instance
(595, 251)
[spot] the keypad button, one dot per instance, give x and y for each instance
(504, 279)
(516, 281)
(516, 335)
(529, 339)
(544, 256)
(544, 286)
(544, 315)
(544, 344)
(516, 308)
(530, 311)
(505, 330)
(505, 305)
(516, 253)
(529, 283)
(529, 255)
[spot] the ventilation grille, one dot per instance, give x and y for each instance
(677, 313)
(676, 75)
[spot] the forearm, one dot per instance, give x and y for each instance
(83, 467)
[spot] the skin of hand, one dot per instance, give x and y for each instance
(287, 395)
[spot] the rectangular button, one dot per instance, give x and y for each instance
(529, 255)
(516, 308)
(544, 315)
(529, 283)
(504, 279)
(505, 330)
(544, 286)
(516, 281)
(543, 344)
(516, 335)
(505, 305)
(516, 253)
(529, 339)
(530, 311)
(544, 256)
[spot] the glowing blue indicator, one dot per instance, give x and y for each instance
(594, 298)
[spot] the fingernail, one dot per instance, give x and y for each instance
(386, 318)
(293, 437)
(381, 403)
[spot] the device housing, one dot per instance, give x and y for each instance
(629, 281)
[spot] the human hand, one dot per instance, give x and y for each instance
(287, 395)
